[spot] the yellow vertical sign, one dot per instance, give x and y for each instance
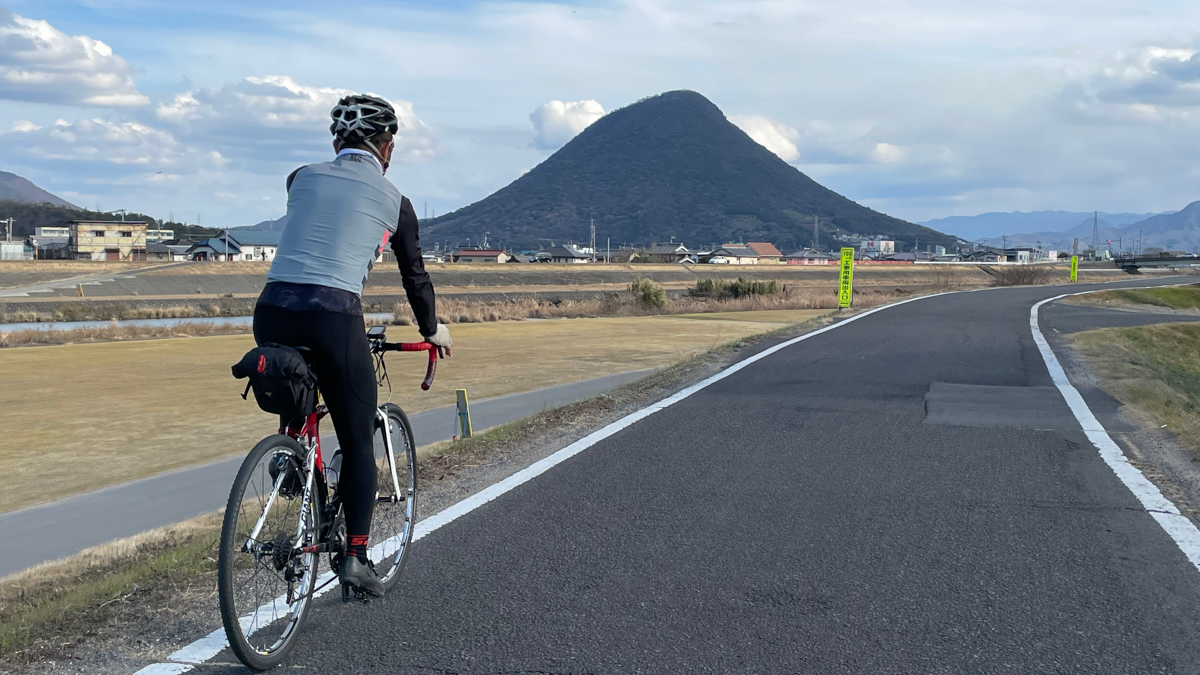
(462, 415)
(1074, 268)
(846, 284)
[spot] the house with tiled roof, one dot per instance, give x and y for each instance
(480, 255)
(737, 254)
(767, 253)
(810, 257)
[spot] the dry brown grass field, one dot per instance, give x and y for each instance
(77, 417)
(1154, 369)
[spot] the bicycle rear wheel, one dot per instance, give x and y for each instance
(264, 579)
(396, 503)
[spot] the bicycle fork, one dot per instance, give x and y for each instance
(391, 457)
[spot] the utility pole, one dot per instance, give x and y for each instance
(593, 223)
(8, 230)
(1095, 234)
(226, 240)
(816, 235)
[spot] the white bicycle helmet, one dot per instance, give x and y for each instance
(359, 118)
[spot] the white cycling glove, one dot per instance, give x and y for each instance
(442, 339)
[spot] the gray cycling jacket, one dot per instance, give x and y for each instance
(340, 214)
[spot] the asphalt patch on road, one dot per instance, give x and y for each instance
(973, 405)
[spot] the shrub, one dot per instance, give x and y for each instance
(717, 289)
(1020, 275)
(647, 294)
(73, 311)
(745, 288)
(707, 288)
(946, 280)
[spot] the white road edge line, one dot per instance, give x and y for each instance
(1177, 526)
(209, 646)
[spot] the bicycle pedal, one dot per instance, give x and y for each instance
(351, 593)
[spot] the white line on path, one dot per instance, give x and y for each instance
(210, 645)
(1185, 534)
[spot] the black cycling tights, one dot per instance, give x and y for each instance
(346, 377)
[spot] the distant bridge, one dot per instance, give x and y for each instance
(1133, 264)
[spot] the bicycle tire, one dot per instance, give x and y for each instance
(393, 521)
(242, 597)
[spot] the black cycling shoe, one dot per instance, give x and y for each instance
(359, 577)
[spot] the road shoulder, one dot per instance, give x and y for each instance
(1155, 451)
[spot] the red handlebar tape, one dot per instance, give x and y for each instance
(420, 347)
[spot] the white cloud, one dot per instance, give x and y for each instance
(275, 110)
(557, 122)
(1151, 84)
(42, 64)
(886, 153)
(775, 136)
(101, 141)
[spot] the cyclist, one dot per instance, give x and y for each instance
(339, 215)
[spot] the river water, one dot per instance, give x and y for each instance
(218, 320)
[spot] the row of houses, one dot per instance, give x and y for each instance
(752, 253)
(133, 241)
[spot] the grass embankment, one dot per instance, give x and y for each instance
(1179, 298)
(27, 338)
(1155, 369)
(126, 582)
(132, 409)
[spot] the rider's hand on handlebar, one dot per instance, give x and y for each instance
(442, 340)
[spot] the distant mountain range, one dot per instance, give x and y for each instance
(994, 225)
(18, 189)
(668, 166)
(1179, 230)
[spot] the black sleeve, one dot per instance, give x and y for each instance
(406, 244)
(291, 177)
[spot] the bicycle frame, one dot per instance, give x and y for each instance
(309, 436)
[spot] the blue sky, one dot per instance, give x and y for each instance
(918, 108)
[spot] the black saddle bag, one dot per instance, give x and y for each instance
(281, 379)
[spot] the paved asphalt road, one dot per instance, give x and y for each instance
(806, 515)
(67, 526)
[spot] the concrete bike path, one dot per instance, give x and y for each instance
(67, 285)
(67, 526)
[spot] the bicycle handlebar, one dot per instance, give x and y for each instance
(430, 371)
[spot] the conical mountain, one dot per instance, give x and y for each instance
(668, 166)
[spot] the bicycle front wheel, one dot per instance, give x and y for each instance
(265, 579)
(396, 501)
